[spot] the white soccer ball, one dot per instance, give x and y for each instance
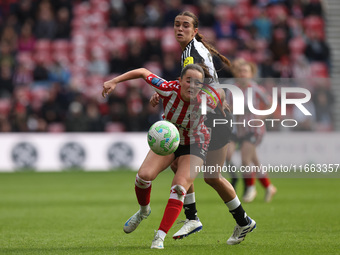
(163, 138)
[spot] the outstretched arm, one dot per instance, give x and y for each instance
(110, 85)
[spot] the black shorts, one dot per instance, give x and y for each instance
(193, 149)
(221, 133)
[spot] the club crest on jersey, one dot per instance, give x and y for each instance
(173, 109)
(157, 81)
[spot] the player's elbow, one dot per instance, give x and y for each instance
(144, 72)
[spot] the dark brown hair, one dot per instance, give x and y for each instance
(199, 37)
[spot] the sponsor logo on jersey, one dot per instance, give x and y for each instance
(188, 60)
(157, 81)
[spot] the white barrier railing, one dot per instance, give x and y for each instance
(107, 151)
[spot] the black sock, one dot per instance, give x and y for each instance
(240, 216)
(190, 211)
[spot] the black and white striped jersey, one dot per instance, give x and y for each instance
(196, 52)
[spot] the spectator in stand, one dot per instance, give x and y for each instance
(10, 37)
(117, 63)
(206, 17)
(263, 26)
(63, 26)
(58, 73)
(94, 121)
(301, 68)
(313, 7)
(50, 110)
(5, 54)
(26, 40)
(76, 120)
(40, 73)
(45, 27)
(154, 14)
(279, 44)
(266, 67)
(134, 105)
(136, 56)
(138, 16)
(24, 10)
(98, 64)
(117, 14)
(224, 26)
(284, 68)
(172, 9)
(170, 67)
(153, 49)
(6, 84)
(18, 117)
(22, 75)
(5, 125)
(316, 48)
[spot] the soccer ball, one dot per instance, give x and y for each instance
(163, 138)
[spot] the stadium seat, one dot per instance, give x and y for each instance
(5, 106)
(114, 127)
(26, 58)
(152, 33)
(56, 128)
(42, 45)
(60, 46)
(226, 46)
(81, 10)
(319, 69)
(209, 34)
(135, 34)
(192, 8)
(154, 67)
(168, 41)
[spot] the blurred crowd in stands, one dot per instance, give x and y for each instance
(55, 55)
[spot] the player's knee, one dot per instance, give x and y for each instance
(146, 175)
(212, 181)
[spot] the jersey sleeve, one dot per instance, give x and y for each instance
(212, 100)
(161, 86)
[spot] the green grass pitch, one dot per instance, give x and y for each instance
(84, 213)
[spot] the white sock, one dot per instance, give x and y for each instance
(189, 198)
(233, 204)
(161, 234)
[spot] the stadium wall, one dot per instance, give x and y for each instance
(104, 152)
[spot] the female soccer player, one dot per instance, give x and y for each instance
(196, 50)
(181, 99)
(250, 137)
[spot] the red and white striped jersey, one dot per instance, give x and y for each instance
(187, 116)
(261, 101)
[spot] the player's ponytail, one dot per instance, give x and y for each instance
(199, 37)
